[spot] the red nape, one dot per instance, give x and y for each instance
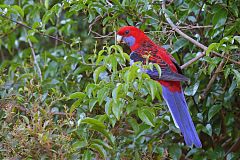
(173, 86)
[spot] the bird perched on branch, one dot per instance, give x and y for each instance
(171, 75)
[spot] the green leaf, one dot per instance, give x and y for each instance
(91, 16)
(191, 90)
(117, 107)
(226, 72)
(93, 121)
(147, 116)
(75, 105)
(90, 89)
(219, 17)
(79, 95)
(116, 91)
(106, 133)
(208, 129)
(99, 149)
(19, 10)
(77, 7)
(237, 76)
(92, 103)
(105, 20)
(114, 63)
(33, 38)
(134, 124)
(211, 47)
(131, 74)
(46, 17)
(46, 3)
(116, 2)
(108, 106)
(153, 87)
(237, 38)
(175, 152)
(234, 8)
(87, 155)
(51, 30)
(102, 94)
(126, 56)
(36, 24)
(100, 57)
(130, 22)
(213, 111)
(80, 144)
(56, 9)
(192, 18)
(97, 72)
(102, 143)
(158, 69)
(169, 13)
(180, 43)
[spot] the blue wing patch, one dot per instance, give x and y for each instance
(166, 73)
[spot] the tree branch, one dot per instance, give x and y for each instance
(91, 25)
(94, 22)
(193, 60)
(217, 71)
(35, 59)
(103, 36)
(39, 32)
(174, 27)
(52, 37)
(234, 148)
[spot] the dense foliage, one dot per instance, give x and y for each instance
(67, 90)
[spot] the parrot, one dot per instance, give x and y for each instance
(144, 49)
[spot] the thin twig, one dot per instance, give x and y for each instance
(91, 25)
(194, 27)
(193, 60)
(200, 45)
(234, 148)
(103, 36)
(94, 22)
(226, 142)
(227, 58)
(35, 59)
(165, 31)
(210, 83)
(37, 31)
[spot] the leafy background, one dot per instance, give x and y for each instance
(67, 90)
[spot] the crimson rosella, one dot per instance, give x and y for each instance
(141, 47)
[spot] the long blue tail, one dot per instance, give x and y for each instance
(178, 107)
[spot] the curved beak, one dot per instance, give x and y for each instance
(119, 38)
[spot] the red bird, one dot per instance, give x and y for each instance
(171, 76)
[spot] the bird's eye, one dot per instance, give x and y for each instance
(127, 31)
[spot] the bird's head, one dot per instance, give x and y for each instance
(132, 36)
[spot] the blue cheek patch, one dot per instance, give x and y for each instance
(129, 40)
